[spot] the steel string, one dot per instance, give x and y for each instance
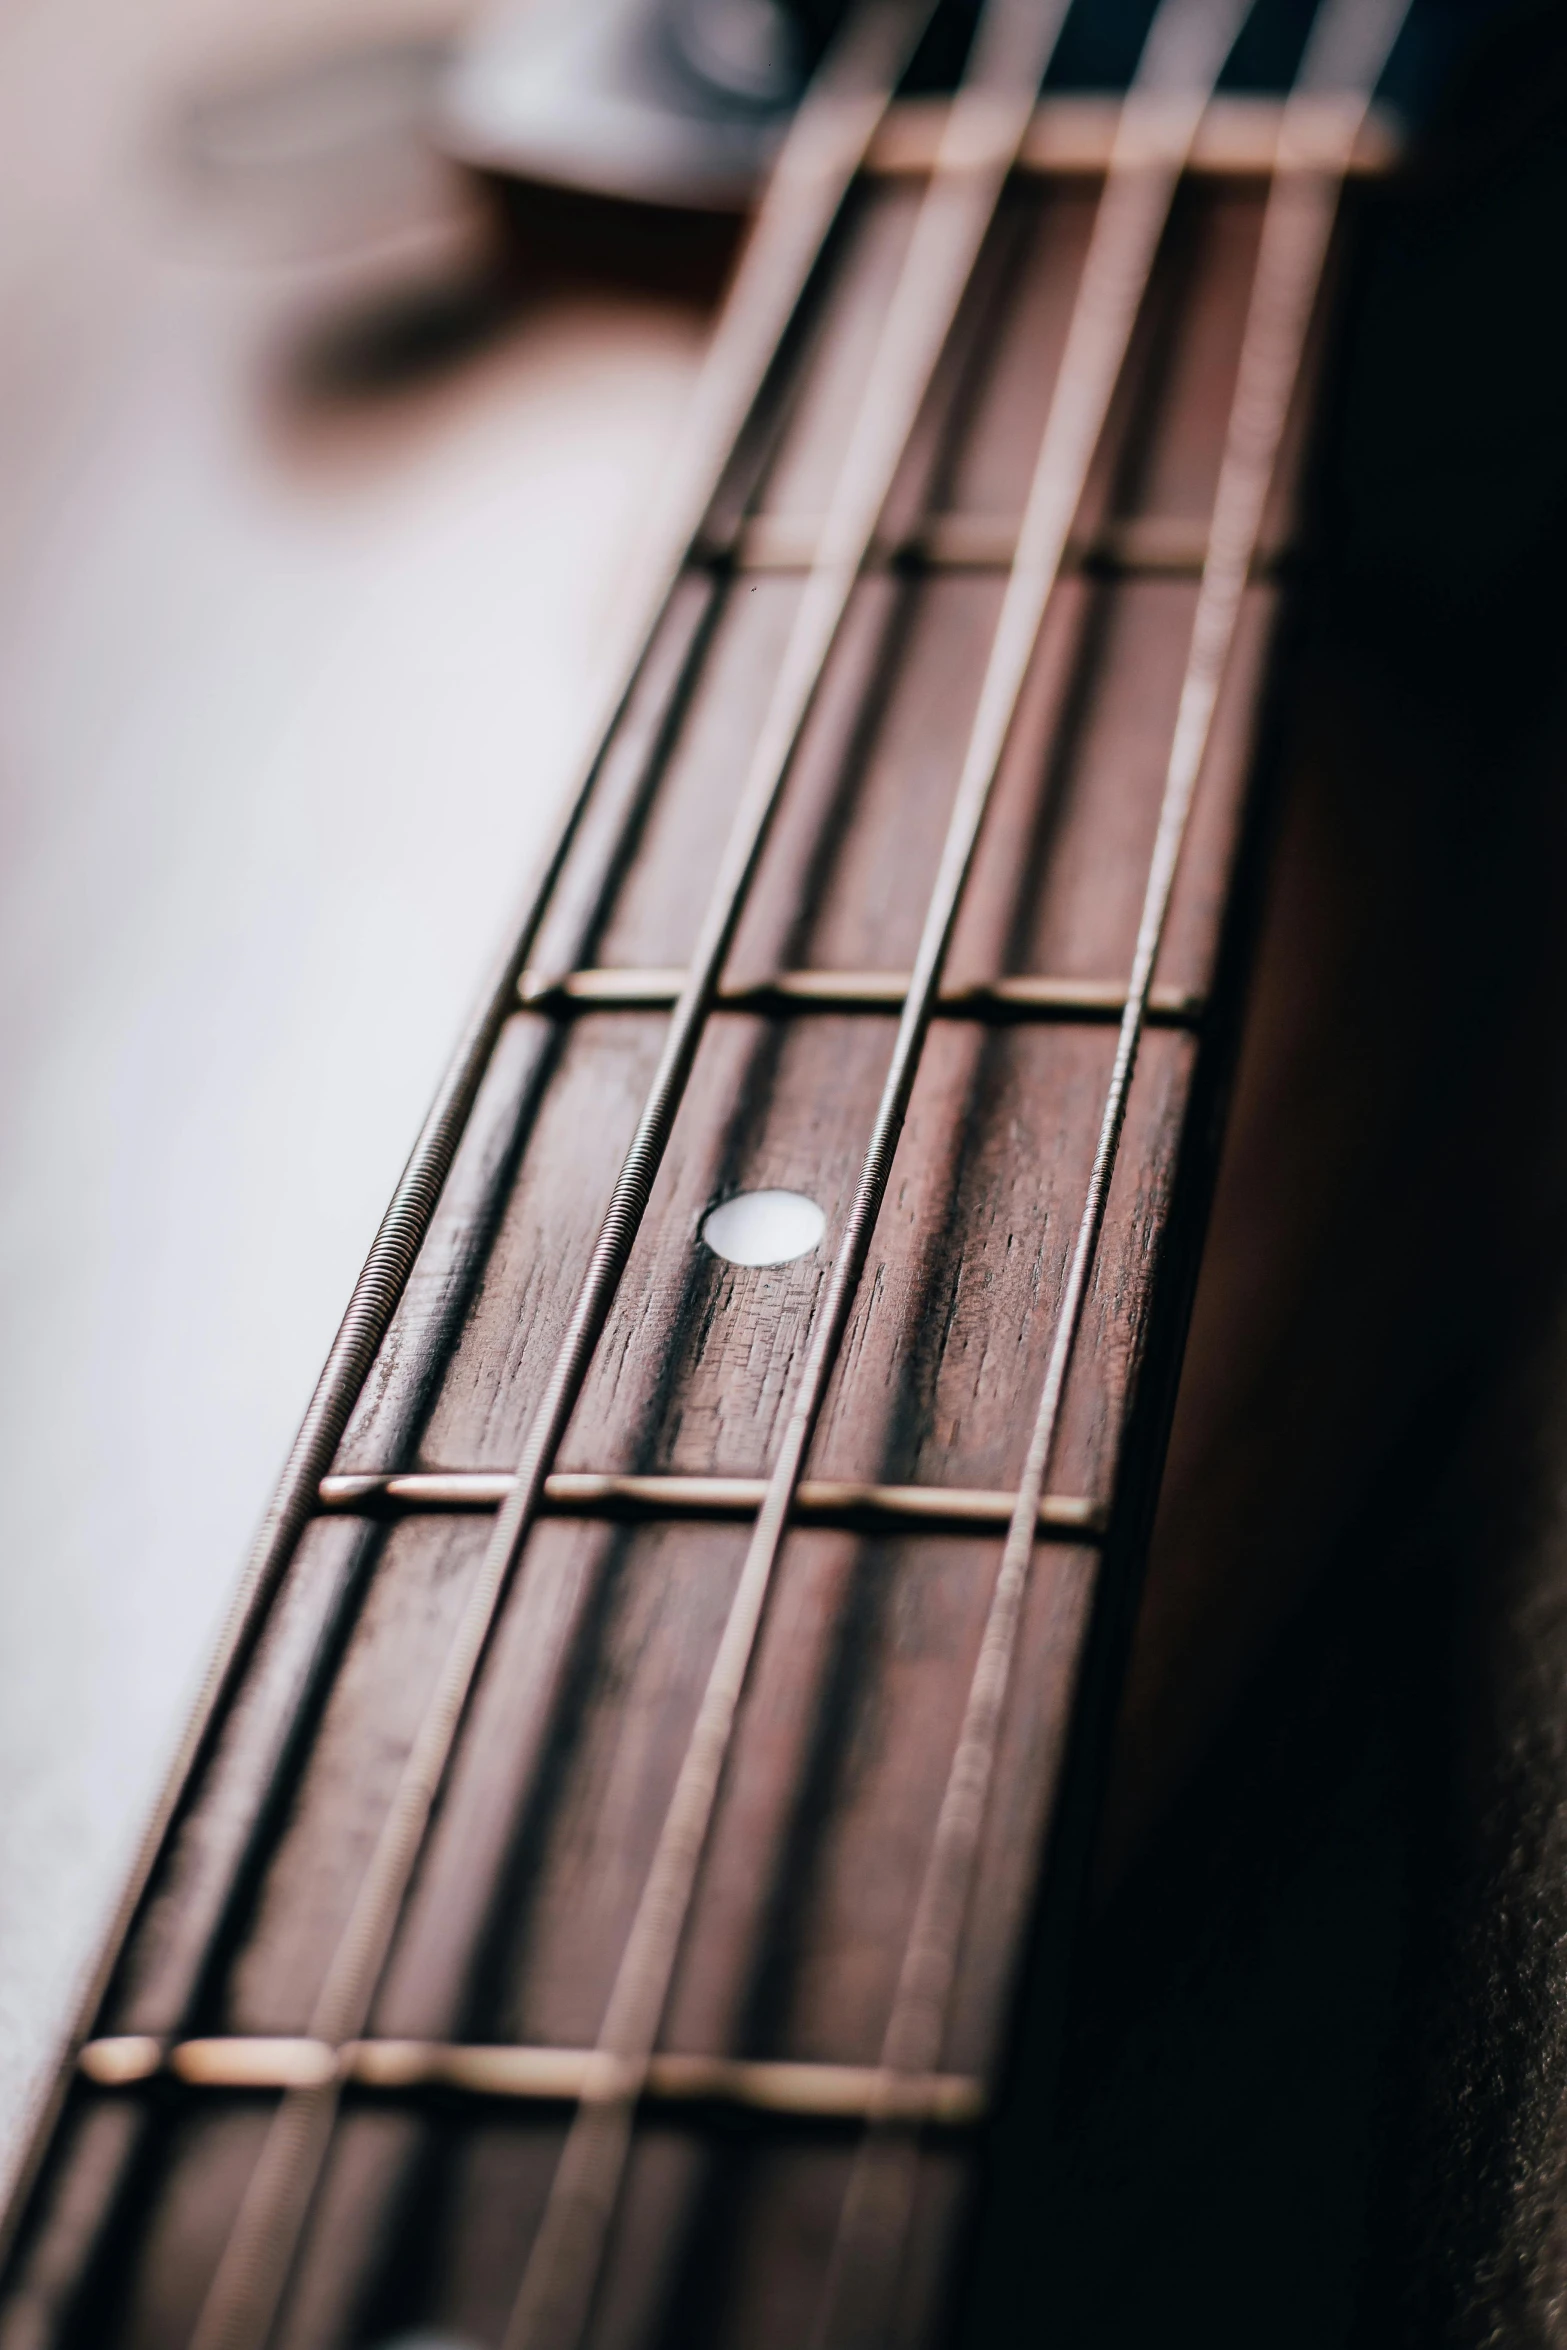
(1181, 60)
(823, 151)
(1349, 43)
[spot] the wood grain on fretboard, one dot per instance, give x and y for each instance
(525, 1892)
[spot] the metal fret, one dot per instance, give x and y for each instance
(1018, 998)
(1073, 137)
(817, 1500)
(1157, 546)
(553, 2076)
(1349, 43)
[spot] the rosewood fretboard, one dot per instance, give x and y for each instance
(361, 2022)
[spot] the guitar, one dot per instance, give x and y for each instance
(618, 1883)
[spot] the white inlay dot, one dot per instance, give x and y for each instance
(764, 1227)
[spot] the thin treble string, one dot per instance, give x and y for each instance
(1349, 44)
(823, 151)
(987, 122)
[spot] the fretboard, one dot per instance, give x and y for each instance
(616, 1869)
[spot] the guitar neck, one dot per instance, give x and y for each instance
(378, 1992)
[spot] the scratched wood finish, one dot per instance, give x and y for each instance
(523, 1898)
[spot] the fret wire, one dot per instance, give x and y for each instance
(1072, 136)
(1181, 60)
(1156, 546)
(1349, 43)
(820, 1499)
(1020, 997)
(821, 154)
(785, 2088)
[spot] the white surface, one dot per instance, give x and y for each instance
(764, 1227)
(287, 700)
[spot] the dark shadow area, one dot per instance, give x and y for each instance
(1223, 2107)
(549, 237)
(403, 340)
(537, 245)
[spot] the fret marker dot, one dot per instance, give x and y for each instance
(764, 1228)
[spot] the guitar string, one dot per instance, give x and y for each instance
(1181, 61)
(1347, 48)
(821, 155)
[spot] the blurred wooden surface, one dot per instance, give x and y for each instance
(306, 535)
